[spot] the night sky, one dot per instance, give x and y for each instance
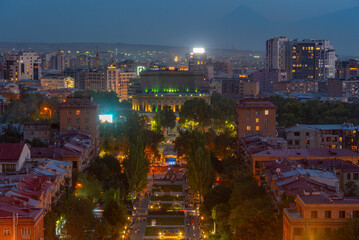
(163, 22)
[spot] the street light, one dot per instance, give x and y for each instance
(49, 110)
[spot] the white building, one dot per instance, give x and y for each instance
(25, 65)
(13, 156)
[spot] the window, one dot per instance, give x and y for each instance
(78, 120)
(87, 128)
(290, 142)
(257, 113)
(341, 214)
(25, 231)
(257, 128)
(355, 214)
(348, 176)
(355, 177)
(297, 134)
(6, 231)
(307, 134)
(298, 231)
(266, 112)
(68, 112)
(314, 214)
(257, 120)
(266, 120)
(248, 112)
(328, 214)
(248, 120)
(296, 142)
(78, 112)
(248, 128)
(87, 120)
(69, 120)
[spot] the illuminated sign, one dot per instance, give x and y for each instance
(105, 118)
(198, 50)
(69, 82)
(140, 69)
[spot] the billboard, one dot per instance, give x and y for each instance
(106, 118)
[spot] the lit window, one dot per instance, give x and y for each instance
(266, 112)
(78, 112)
(257, 128)
(257, 120)
(248, 128)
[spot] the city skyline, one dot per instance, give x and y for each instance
(187, 24)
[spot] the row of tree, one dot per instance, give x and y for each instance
(291, 111)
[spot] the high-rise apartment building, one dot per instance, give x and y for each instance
(307, 59)
(278, 54)
(25, 65)
(313, 59)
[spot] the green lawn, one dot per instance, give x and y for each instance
(154, 231)
(167, 188)
(165, 213)
(167, 198)
(166, 221)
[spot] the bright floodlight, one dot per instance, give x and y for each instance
(198, 50)
(105, 118)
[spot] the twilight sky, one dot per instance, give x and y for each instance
(124, 20)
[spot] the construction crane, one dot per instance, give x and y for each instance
(98, 57)
(97, 54)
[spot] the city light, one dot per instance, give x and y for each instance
(106, 118)
(198, 50)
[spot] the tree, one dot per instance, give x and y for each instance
(166, 117)
(220, 214)
(196, 111)
(79, 217)
(200, 172)
(136, 166)
(115, 215)
(254, 220)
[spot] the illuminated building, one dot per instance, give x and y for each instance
(198, 63)
(170, 87)
(313, 59)
(317, 212)
(57, 82)
(80, 113)
(25, 65)
(256, 117)
(343, 87)
(118, 81)
(307, 59)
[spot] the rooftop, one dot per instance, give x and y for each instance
(10, 152)
(308, 152)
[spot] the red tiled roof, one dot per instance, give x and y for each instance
(308, 152)
(10, 152)
(256, 103)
